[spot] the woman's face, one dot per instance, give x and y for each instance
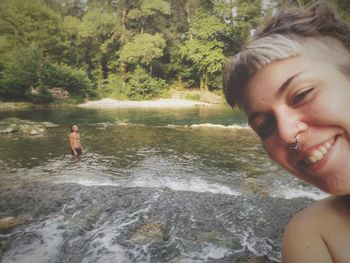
(309, 98)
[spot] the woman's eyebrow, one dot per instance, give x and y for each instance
(279, 93)
(286, 83)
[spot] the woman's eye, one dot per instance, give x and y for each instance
(266, 128)
(300, 97)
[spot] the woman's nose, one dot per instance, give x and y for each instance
(289, 126)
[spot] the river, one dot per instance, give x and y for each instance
(179, 185)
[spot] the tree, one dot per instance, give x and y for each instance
(99, 33)
(74, 8)
(202, 48)
(21, 73)
(143, 49)
(29, 35)
(147, 10)
(101, 44)
(343, 8)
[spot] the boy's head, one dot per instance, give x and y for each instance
(74, 127)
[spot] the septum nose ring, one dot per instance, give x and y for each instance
(295, 145)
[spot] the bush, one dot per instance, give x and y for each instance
(20, 73)
(140, 85)
(112, 87)
(42, 96)
(74, 80)
(191, 96)
(215, 82)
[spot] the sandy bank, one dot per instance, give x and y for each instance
(15, 105)
(161, 103)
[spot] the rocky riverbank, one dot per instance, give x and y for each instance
(76, 223)
(25, 127)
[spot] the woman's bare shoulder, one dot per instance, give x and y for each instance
(310, 235)
(303, 238)
(321, 212)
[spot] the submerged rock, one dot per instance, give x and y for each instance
(263, 259)
(256, 187)
(148, 232)
(26, 127)
(10, 222)
(7, 130)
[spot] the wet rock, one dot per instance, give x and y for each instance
(106, 221)
(254, 260)
(59, 92)
(33, 132)
(148, 233)
(48, 124)
(26, 127)
(8, 223)
(256, 187)
(215, 237)
(8, 130)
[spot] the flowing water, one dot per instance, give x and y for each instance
(186, 185)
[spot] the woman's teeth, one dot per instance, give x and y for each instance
(317, 154)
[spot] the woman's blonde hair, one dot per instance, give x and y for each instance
(314, 31)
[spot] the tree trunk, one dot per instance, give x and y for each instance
(104, 68)
(122, 71)
(124, 19)
(150, 69)
(143, 22)
(187, 9)
(204, 83)
(122, 68)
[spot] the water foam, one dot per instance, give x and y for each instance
(103, 239)
(258, 246)
(188, 184)
(48, 239)
(104, 125)
(290, 193)
(179, 183)
(217, 126)
(209, 251)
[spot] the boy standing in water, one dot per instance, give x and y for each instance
(74, 140)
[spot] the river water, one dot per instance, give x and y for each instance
(170, 185)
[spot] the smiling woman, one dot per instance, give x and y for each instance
(293, 82)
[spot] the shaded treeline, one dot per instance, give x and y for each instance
(119, 48)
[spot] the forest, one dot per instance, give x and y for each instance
(124, 49)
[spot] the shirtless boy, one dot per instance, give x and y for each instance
(74, 141)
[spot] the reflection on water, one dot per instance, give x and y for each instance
(200, 173)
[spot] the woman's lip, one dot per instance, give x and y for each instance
(319, 164)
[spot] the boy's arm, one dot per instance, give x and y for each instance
(81, 145)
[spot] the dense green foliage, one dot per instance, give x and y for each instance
(124, 49)
(119, 48)
(140, 85)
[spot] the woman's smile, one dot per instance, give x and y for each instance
(316, 157)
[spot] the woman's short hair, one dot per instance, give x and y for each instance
(314, 31)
